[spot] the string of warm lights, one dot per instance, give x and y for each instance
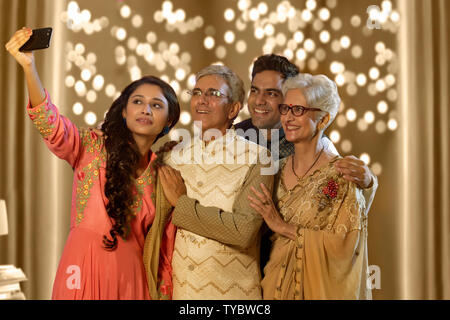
(314, 34)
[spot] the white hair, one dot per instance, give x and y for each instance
(319, 91)
(234, 82)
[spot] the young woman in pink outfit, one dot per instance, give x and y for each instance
(113, 203)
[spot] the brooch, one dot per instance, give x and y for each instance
(330, 191)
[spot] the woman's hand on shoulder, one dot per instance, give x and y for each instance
(172, 183)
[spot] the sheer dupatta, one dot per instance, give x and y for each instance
(158, 248)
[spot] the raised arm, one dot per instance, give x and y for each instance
(60, 135)
(36, 91)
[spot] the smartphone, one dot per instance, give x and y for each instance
(40, 39)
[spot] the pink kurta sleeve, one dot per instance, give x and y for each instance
(60, 134)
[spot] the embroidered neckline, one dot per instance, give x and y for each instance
(302, 181)
(144, 180)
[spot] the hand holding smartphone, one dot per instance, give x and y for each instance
(20, 47)
(40, 39)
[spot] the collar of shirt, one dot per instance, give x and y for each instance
(212, 149)
(247, 124)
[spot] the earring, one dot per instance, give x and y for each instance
(166, 130)
(124, 122)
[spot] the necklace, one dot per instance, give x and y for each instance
(298, 178)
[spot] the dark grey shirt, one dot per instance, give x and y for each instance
(285, 148)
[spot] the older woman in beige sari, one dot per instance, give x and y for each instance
(319, 246)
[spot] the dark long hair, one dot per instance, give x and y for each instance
(123, 158)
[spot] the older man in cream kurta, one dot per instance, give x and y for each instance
(216, 254)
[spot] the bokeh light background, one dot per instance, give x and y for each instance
(110, 43)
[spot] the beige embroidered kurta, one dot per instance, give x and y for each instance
(216, 254)
(328, 259)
